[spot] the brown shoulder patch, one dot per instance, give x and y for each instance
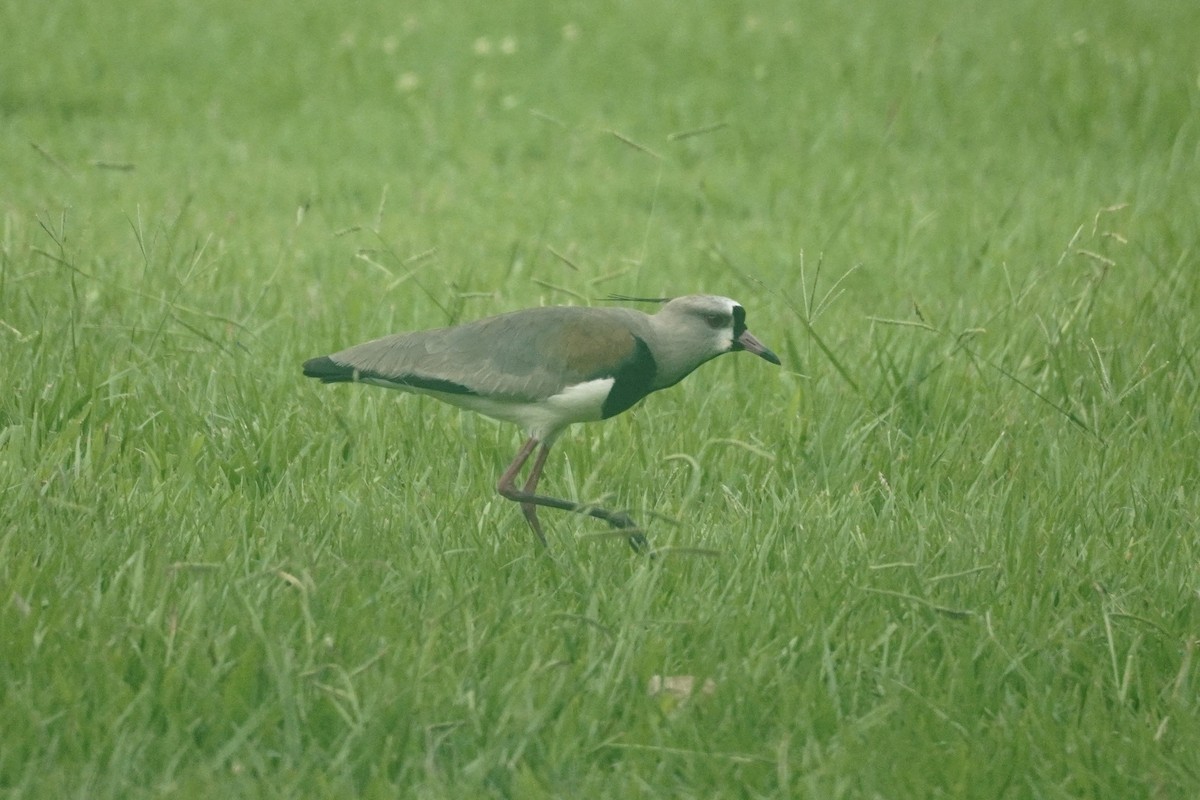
(590, 346)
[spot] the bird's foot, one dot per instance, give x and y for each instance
(622, 521)
(530, 511)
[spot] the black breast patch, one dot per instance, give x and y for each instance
(633, 379)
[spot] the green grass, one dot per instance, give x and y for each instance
(949, 550)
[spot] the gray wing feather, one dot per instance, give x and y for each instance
(523, 356)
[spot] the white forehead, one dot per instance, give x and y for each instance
(704, 302)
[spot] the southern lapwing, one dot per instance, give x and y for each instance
(546, 368)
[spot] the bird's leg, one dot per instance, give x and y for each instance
(530, 500)
(509, 490)
(530, 489)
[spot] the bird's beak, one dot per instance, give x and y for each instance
(750, 344)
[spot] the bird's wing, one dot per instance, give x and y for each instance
(524, 356)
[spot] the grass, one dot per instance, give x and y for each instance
(950, 550)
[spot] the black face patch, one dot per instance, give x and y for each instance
(739, 322)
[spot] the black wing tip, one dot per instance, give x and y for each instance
(327, 370)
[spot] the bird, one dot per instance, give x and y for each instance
(549, 367)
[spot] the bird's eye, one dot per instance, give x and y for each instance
(716, 320)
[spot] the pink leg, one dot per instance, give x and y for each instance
(530, 489)
(508, 489)
(530, 500)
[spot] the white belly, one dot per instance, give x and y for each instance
(543, 420)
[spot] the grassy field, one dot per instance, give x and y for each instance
(950, 549)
